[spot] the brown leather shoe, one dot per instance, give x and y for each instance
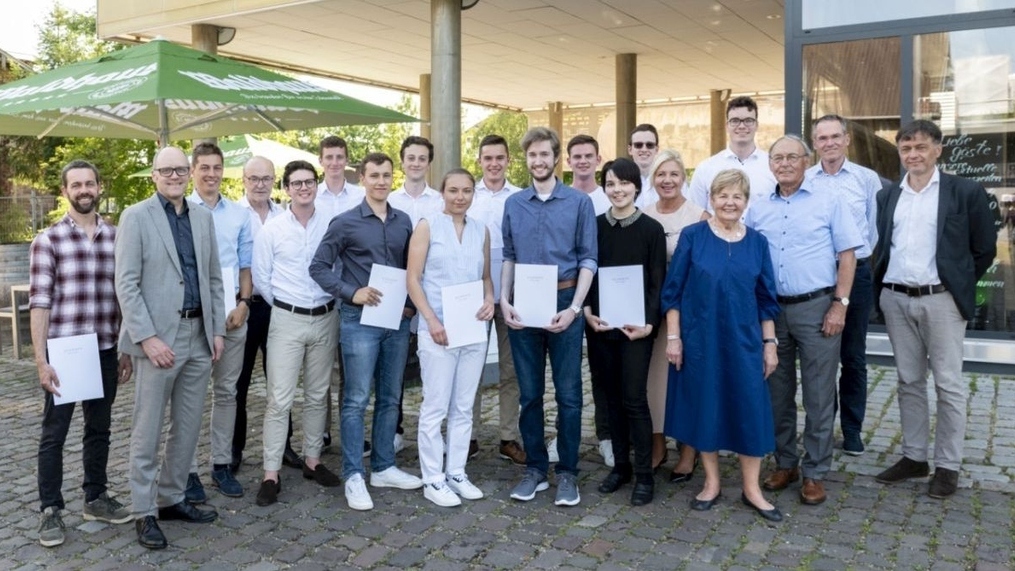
(781, 479)
(512, 451)
(812, 492)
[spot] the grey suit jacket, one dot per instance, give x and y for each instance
(149, 280)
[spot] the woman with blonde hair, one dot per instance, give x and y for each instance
(675, 213)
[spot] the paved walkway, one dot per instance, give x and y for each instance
(863, 525)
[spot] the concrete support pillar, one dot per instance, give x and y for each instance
(446, 85)
(627, 98)
(204, 37)
(717, 108)
(555, 110)
(424, 105)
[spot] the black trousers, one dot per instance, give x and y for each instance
(623, 370)
(95, 443)
(257, 340)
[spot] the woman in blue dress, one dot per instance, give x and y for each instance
(720, 305)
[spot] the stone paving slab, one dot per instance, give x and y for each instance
(863, 525)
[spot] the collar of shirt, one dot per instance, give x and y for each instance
(935, 179)
(624, 222)
(166, 205)
(100, 223)
(272, 205)
(775, 194)
(819, 168)
(427, 192)
(322, 188)
(555, 193)
(481, 187)
(756, 155)
(366, 212)
(196, 199)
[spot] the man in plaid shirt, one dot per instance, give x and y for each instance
(72, 293)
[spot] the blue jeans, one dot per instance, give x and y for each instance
(370, 354)
(529, 347)
(853, 353)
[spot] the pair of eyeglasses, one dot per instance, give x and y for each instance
(170, 171)
(641, 145)
(737, 121)
(777, 159)
(260, 179)
(308, 183)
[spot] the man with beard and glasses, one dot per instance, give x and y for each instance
(71, 288)
(549, 223)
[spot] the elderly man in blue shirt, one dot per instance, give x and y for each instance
(549, 223)
(808, 233)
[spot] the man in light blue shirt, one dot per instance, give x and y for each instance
(806, 232)
(235, 247)
(549, 223)
(858, 186)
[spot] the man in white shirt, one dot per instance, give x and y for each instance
(643, 146)
(858, 186)
(303, 328)
(488, 206)
(415, 197)
(235, 246)
(584, 160)
(742, 153)
(258, 180)
(335, 194)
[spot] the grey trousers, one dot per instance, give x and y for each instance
(224, 374)
(508, 386)
(928, 330)
(182, 388)
(798, 328)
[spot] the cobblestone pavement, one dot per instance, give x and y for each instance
(863, 525)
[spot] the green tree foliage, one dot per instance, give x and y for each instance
(508, 124)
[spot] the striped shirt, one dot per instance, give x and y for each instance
(72, 276)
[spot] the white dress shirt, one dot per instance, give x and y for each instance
(755, 165)
(488, 206)
(428, 203)
(331, 204)
(283, 250)
(255, 221)
(648, 194)
(914, 235)
(859, 186)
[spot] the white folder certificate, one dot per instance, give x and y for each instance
(76, 362)
(622, 296)
(460, 304)
(228, 291)
(535, 294)
(388, 313)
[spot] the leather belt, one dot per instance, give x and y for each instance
(191, 313)
(566, 284)
(313, 311)
(791, 299)
(917, 291)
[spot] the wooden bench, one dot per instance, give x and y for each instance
(14, 312)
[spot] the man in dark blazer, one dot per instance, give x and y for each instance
(169, 286)
(936, 238)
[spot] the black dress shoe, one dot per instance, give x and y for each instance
(327, 439)
(322, 475)
(186, 512)
(614, 480)
(704, 505)
(292, 459)
(267, 494)
(681, 477)
(642, 493)
(771, 515)
(149, 534)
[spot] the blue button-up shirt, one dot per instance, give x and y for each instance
(859, 187)
(233, 235)
(183, 237)
(559, 231)
(805, 233)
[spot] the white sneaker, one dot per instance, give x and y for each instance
(606, 451)
(395, 478)
(551, 450)
(440, 494)
(460, 484)
(356, 493)
(399, 443)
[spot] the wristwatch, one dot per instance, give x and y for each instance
(771, 340)
(577, 310)
(843, 300)
(245, 300)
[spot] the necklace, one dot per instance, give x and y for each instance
(728, 235)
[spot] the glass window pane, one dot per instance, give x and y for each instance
(860, 81)
(964, 82)
(825, 14)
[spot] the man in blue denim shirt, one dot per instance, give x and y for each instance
(549, 223)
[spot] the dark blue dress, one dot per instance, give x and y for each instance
(719, 398)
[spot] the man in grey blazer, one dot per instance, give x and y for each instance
(169, 286)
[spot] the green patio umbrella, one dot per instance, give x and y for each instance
(237, 150)
(164, 92)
